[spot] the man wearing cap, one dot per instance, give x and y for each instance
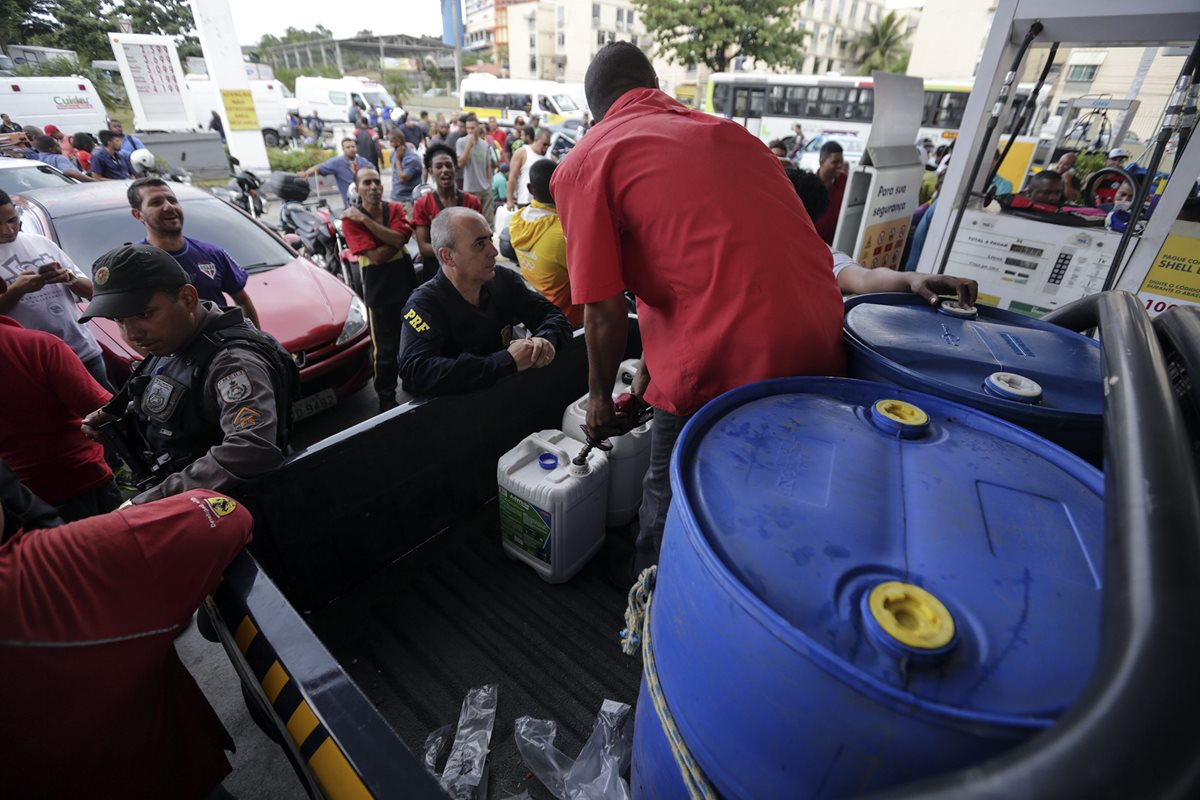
(210, 269)
(210, 407)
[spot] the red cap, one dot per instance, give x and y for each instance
(51, 130)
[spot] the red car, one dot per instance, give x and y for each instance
(320, 321)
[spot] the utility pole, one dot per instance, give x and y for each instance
(457, 46)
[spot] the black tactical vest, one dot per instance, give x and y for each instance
(167, 393)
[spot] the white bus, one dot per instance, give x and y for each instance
(769, 105)
(507, 98)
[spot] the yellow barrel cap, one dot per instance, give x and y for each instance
(901, 412)
(911, 615)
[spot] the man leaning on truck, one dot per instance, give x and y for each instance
(457, 334)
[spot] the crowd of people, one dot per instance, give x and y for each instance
(84, 156)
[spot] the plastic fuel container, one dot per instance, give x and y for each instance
(861, 586)
(552, 511)
(628, 460)
(1032, 373)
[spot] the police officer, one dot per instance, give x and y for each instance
(210, 405)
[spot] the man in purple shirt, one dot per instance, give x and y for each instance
(211, 270)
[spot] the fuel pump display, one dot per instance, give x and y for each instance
(1028, 266)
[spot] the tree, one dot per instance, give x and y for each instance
(714, 32)
(84, 25)
(111, 94)
(288, 76)
(882, 46)
(22, 19)
(293, 35)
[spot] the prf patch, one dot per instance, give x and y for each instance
(246, 418)
(221, 506)
(419, 325)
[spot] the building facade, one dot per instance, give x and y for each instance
(833, 26)
(949, 39)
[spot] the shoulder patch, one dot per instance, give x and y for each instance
(221, 506)
(414, 319)
(247, 418)
(234, 387)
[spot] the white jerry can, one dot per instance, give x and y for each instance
(552, 512)
(627, 461)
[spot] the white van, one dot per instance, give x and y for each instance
(507, 98)
(70, 103)
(270, 105)
(332, 97)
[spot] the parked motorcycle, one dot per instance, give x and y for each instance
(318, 234)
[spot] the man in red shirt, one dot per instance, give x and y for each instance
(831, 170)
(723, 299)
(441, 162)
(49, 392)
(96, 701)
(377, 233)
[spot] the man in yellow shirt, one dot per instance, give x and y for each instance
(537, 236)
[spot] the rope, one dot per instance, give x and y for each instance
(637, 617)
(635, 610)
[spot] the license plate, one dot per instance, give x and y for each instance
(313, 404)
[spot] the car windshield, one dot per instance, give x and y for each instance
(15, 180)
(88, 236)
(565, 103)
(379, 99)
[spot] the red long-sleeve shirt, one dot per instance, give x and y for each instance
(46, 395)
(95, 700)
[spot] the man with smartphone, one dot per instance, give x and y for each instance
(40, 287)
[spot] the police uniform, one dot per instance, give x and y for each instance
(448, 345)
(212, 415)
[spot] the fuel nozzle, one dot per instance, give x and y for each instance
(579, 464)
(626, 403)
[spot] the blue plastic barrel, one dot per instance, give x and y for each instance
(860, 586)
(1032, 373)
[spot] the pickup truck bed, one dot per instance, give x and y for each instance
(376, 594)
(459, 613)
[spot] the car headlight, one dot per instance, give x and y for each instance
(356, 321)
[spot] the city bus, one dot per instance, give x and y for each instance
(769, 105)
(507, 98)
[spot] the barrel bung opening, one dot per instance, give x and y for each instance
(911, 616)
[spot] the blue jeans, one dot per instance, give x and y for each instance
(656, 489)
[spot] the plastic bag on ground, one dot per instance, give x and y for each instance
(467, 762)
(435, 743)
(596, 773)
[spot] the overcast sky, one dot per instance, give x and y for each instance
(253, 18)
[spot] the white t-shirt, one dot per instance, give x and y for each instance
(841, 261)
(52, 309)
